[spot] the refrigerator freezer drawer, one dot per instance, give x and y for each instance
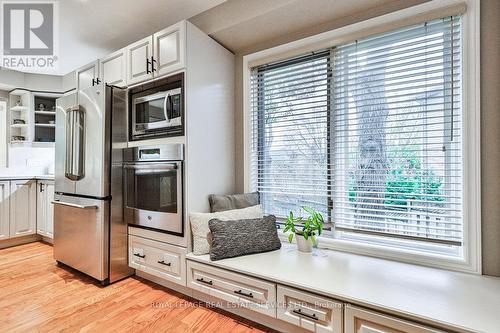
(81, 232)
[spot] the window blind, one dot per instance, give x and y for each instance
(290, 102)
(368, 133)
(397, 143)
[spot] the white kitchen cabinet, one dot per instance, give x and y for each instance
(169, 49)
(45, 209)
(160, 259)
(358, 320)
(157, 55)
(22, 207)
(113, 68)
(139, 56)
(4, 209)
(311, 312)
(87, 76)
(241, 290)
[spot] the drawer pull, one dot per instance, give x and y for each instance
(239, 292)
(300, 313)
(164, 263)
(205, 281)
(140, 255)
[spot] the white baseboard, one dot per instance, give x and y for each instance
(19, 241)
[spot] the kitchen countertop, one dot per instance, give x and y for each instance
(452, 300)
(19, 177)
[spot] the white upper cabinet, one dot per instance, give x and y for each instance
(113, 68)
(87, 76)
(153, 56)
(4, 209)
(157, 55)
(139, 56)
(22, 208)
(169, 49)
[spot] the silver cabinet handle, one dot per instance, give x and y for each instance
(74, 205)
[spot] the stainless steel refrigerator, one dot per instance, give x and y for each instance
(90, 234)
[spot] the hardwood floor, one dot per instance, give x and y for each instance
(38, 295)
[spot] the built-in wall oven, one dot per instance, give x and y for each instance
(153, 183)
(157, 108)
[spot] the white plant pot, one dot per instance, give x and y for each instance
(304, 245)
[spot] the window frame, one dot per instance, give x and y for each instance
(471, 249)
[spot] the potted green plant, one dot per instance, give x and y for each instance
(305, 230)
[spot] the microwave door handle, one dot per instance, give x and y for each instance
(166, 103)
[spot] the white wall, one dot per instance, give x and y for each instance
(29, 161)
(69, 81)
(10, 79)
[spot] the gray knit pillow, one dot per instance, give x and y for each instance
(221, 202)
(240, 237)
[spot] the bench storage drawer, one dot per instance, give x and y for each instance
(311, 312)
(358, 320)
(254, 294)
(159, 259)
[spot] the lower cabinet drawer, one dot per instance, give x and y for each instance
(159, 259)
(358, 320)
(254, 294)
(313, 313)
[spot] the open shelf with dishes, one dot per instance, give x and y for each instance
(32, 117)
(45, 118)
(19, 117)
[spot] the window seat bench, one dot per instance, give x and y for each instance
(439, 298)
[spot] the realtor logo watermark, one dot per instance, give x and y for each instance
(29, 35)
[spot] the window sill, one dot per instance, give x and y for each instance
(401, 255)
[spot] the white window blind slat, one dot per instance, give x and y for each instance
(368, 133)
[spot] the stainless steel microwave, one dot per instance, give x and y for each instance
(157, 109)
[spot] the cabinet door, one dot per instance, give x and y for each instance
(41, 222)
(363, 321)
(138, 60)
(86, 74)
(4, 209)
(112, 69)
(49, 209)
(169, 49)
(22, 207)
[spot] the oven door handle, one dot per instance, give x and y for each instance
(152, 167)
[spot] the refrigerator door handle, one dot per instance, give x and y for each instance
(55, 202)
(75, 141)
(69, 143)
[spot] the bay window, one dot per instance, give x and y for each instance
(369, 133)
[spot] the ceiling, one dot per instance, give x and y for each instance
(90, 29)
(248, 26)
